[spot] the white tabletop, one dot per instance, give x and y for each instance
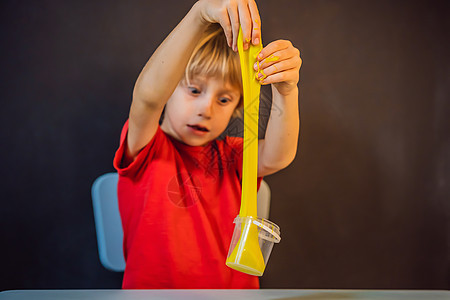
(222, 294)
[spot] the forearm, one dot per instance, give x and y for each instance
(166, 66)
(280, 144)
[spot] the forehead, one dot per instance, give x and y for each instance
(216, 82)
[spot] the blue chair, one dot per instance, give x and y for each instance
(108, 224)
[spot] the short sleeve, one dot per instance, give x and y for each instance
(143, 156)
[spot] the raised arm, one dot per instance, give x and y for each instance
(280, 62)
(166, 66)
(159, 78)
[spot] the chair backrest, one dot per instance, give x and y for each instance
(108, 224)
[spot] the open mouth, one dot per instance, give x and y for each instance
(199, 128)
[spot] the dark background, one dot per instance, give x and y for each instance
(364, 205)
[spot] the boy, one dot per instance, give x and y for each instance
(179, 187)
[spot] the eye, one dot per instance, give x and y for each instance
(194, 90)
(224, 100)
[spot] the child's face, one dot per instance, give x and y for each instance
(199, 112)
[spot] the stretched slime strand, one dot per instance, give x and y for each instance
(246, 256)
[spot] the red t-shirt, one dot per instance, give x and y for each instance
(177, 205)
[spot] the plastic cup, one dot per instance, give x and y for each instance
(251, 244)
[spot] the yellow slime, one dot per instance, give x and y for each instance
(246, 256)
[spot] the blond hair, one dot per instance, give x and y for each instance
(213, 58)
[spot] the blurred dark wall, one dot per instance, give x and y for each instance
(364, 205)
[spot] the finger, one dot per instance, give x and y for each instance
(234, 20)
(279, 56)
(246, 23)
(226, 25)
(282, 66)
(256, 23)
(290, 76)
(273, 47)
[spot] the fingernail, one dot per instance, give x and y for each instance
(260, 56)
(256, 41)
(245, 46)
(255, 66)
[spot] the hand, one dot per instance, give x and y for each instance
(230, 14)
(279, 64)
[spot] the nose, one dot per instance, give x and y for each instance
(205, 106)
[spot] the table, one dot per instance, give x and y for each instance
(261, 294)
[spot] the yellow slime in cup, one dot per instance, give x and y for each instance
(246, 256)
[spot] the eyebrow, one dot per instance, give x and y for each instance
(232, 93)
(232, 89)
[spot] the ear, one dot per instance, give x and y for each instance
(237, 113)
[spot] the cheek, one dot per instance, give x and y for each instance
(177, 103)
(178, 108)
(170, 110)
(225, 116)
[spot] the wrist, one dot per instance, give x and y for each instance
(285, 102)
(285, 90)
